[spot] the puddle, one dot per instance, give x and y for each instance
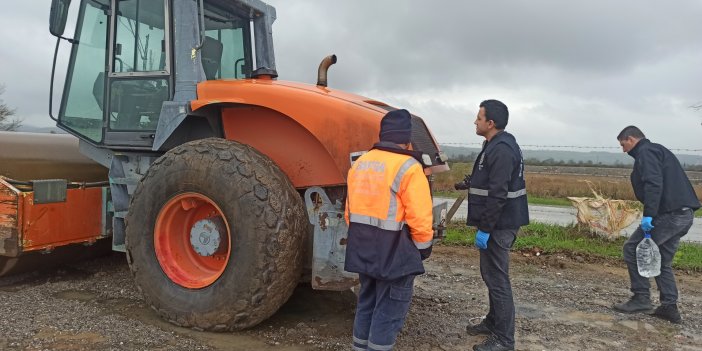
(603, 320)
(540, 312)
(76, 295)
(237, 341)
(588, 317)
(328, 312)
(65, 338)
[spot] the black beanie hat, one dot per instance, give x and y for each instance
(396, 127)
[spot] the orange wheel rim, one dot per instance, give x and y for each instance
(192, 249)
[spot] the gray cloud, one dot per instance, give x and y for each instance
(572, 72)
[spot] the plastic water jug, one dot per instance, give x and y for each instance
(648, 257)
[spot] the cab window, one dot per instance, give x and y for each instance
(226, 52)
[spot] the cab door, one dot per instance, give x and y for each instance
(82, 109)
(139, 77)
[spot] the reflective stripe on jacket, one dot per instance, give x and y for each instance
(389, 211)
(497, 196)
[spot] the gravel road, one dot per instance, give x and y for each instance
(562, 304)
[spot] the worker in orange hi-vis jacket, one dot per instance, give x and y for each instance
(389, 212)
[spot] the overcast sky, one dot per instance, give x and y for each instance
(571, 72)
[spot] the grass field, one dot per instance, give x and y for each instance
(553, 188)
(551, 239)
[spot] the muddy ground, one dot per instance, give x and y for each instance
(563, 303)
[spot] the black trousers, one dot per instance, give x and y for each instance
(494, 268)
(667, 231)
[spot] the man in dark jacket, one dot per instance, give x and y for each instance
(669, 200)
(497, 205)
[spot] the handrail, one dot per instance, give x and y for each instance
(51, 85)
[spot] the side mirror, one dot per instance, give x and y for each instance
(58, 16)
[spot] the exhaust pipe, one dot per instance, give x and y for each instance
(323, 68)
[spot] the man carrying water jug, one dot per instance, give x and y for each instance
(669, 200)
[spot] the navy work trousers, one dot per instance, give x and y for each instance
(381, 311)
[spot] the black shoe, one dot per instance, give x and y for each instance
(669, 313)
(636, 303)
(491, 344)
(478, 329)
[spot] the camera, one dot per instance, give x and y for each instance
(464, 184)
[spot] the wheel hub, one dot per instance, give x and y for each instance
(206, 236)
(192, 241)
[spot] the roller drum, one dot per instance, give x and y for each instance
(30, 156)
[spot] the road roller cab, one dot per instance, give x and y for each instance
(225, 185)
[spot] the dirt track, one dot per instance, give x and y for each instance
(562, 304)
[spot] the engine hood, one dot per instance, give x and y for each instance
(246, 91)
(343, 122)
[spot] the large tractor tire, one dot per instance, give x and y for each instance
(215, 236)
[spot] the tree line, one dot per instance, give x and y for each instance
(532, 161)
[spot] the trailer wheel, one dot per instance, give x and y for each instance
(215, 236)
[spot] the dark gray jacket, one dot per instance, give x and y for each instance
(659, 181)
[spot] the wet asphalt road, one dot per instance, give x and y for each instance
(567, 215)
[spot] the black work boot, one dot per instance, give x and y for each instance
(637, 303)
(492, 344)
(669, 313)
(478, 329)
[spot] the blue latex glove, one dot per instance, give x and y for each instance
(481, 239)
(646, 224)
